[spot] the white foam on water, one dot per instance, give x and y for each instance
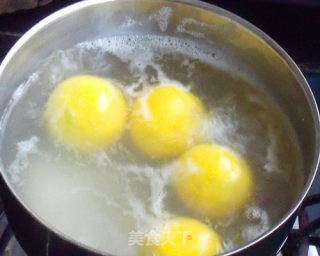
(221, 128)
(138, 48)
(162, 17)
(259, 223)
(21, 162)
(183, 27)
(100, 198)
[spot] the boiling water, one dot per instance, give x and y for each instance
(101, 198)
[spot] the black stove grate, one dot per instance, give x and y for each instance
(308, 234)
(5, 231)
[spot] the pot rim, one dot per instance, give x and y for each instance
(73, 8)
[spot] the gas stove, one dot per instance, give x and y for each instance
(292, 23)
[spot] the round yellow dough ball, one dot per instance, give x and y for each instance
(185, 237)
(213, 180)
(85, 113)
(165, 121)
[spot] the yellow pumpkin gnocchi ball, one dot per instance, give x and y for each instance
(185, 237)
(86, 113)
(165, 121)
(213, 180)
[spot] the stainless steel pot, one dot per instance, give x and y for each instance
(248, 46)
